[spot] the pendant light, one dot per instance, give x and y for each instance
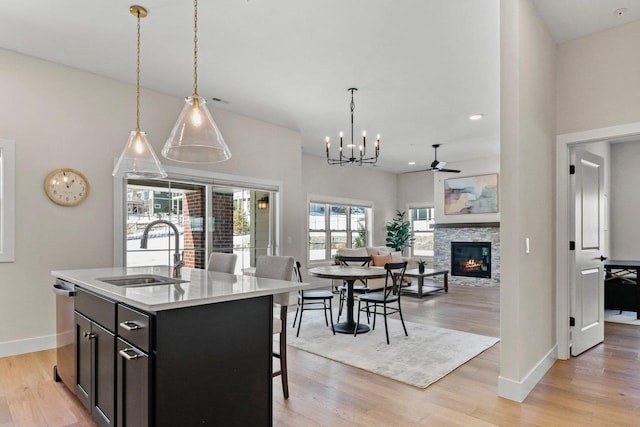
(138, 160)
(195, 138)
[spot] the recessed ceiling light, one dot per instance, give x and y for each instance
(476, 116)
(412, 163)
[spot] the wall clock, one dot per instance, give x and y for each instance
(66, 187)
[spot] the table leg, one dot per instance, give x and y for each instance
(348, 327)
(420, 284)
(446, 282)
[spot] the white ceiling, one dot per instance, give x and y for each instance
(572, 19)
(421, 66)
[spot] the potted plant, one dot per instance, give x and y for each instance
(399, 234)
(421, 264)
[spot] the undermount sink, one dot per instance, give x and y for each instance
(139, 280)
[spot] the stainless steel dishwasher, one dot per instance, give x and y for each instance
(65, 369)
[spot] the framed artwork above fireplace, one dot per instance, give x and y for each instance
(471, 195)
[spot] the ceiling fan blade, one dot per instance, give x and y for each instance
(421, 170)
(449, 170)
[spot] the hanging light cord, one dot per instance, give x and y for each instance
(353, 107)
(138, 76)
(195, 48)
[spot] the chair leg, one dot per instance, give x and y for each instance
(283, 352)
(375, 312)
(300, 320)
(355, 330)
(369, 315)
(324, 305)
(402, 319)
(386, 328)
(296, 316)
(331, 317)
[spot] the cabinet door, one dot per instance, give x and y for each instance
(132, 386)
(104, 390)
(83, 359)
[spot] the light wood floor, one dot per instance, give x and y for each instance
(599, 388)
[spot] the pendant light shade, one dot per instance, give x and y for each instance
(195, 138)
(138, 160)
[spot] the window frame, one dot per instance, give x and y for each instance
(201, 177)
(333, 201)
(421, 232)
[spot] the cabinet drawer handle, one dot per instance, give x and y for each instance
(130, 354)
(89, 335)
(130, 325)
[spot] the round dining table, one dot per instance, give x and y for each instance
(349, 275)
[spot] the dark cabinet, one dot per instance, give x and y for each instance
(95, 369)
(205, 364)
(133, 386)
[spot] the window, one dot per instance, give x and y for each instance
(210, 215)
(422, 225)
(333, 226)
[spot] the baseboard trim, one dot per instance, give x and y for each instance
(519, 390)
(29, 345)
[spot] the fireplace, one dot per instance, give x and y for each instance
(471, 259)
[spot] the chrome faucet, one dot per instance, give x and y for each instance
(178, 263)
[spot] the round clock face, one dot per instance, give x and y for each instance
(66, 187)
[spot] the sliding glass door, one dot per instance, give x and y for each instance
(209, 218)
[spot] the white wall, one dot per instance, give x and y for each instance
(599, 80)
(415, 189)
(474, 167)
(625, 201)
(62, 117)
(527, 177)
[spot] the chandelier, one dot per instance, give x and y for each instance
(356, 156)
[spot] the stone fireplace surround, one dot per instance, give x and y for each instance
(444, 234)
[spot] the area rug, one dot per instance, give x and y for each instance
(426, 355)
(628, 317)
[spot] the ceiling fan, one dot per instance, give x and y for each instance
(436, 165)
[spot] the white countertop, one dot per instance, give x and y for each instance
(200, 286)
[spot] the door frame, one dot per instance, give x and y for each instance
(564, 143)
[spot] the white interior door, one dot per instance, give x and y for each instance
(587, 287)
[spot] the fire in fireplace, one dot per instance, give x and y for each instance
(471, 259)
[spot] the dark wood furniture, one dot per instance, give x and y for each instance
(621, 290)
(362, 261)
(389, 299)
(422, 290)
(349, 275)
(186, 366)
(311, 300)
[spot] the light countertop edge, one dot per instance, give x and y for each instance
(200, 287)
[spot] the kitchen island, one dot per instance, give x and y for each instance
(190, 351)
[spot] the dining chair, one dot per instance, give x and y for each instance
(363, 261)
(389, 299)
(281, 268)
(222, 262)
(309, 300)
